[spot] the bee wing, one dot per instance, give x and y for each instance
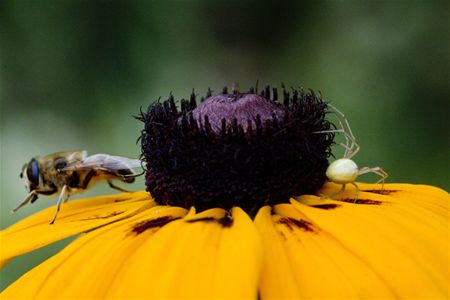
(104, 162)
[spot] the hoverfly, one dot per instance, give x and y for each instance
(67, 173)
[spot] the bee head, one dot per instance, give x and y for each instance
(31, 174)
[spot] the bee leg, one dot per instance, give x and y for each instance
(32, 196)
(66, 198)
(117, 187)
(62, 198)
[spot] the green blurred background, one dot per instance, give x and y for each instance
(74, 72)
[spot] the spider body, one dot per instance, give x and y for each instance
(342, 171)
(345, 170)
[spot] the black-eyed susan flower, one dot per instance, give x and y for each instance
(220, 220)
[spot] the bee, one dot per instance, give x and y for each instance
(344, 170)
(68, 173)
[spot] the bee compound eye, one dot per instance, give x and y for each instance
(33, 173)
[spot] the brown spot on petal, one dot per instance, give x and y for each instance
(96, 217)
(224, 221)
(148, 224)
(362, 201)
(205, 219)
(381, 192)
(113, 214)
(123, 199)
(302, 224)
(326, 206)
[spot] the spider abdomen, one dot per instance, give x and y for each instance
(342, 170)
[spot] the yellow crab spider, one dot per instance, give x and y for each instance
(345, 170)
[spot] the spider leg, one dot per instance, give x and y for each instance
(349, 136)
(348, 146)
(347, 140)
(353, 144)
(351, 147)
(344, 145)
(334, 194)
(357, 191)
(348, 132)
(376, 170)
(63, 196)
(30, 197)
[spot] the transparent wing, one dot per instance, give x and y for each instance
(104, 162)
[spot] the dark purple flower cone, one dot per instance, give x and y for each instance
(239, 149)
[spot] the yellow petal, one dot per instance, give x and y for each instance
(75, 217)
(398, 240)
(278, 278)
(87, 267)
(420, 196)
(208, 255)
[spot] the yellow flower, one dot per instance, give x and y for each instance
(221, 221)
(393, 244)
